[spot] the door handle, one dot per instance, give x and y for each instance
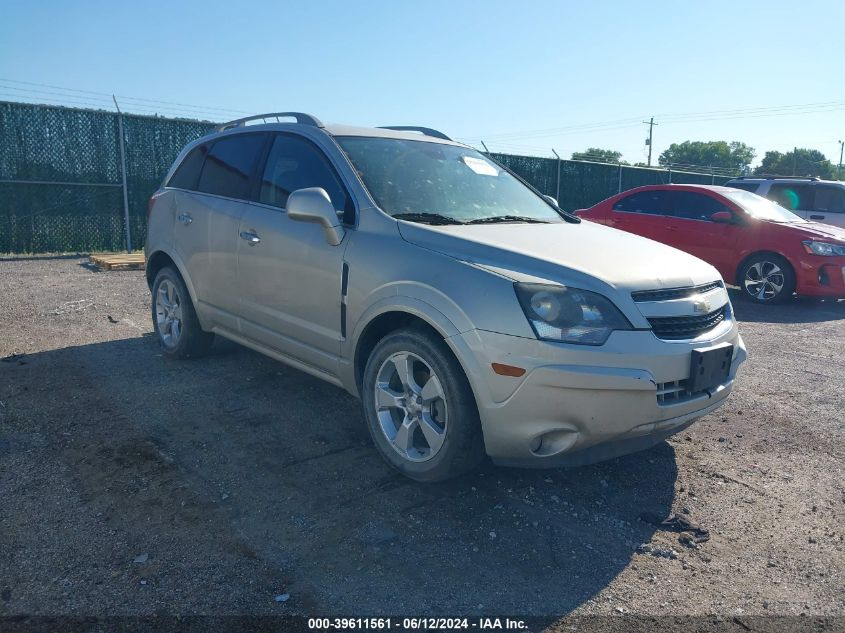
(817, 217)
(250, 237)
(185, 218)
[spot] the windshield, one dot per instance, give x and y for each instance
(761, 208)
(441, 184)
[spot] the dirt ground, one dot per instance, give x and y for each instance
(131, 484)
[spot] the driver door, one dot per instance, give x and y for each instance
(288, 275)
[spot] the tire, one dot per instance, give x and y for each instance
(766, 278)
(432, 417)
(174, 318)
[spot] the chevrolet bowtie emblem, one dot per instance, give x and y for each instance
(701, 306)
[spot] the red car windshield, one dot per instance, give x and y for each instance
(761, 208)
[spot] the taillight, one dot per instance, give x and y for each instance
(150, 204)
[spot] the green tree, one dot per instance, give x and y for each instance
(799, 162)
(598, 155)
(733, 155)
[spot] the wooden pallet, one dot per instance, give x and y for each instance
(118, 261)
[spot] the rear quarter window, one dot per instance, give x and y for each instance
(188, 172)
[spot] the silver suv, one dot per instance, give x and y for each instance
(467, 311)
(810, 198)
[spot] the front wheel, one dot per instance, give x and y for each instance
(767, 278)
(419, 407)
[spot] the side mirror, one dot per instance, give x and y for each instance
(553, 201)
(722, 217)
(314, 205)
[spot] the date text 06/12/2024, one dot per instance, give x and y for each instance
(422, 624)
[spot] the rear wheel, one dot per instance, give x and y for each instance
(174, 318)
(419, 407)
(767, 278)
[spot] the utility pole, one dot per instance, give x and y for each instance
(123, 175)
(649, 141)
(841, 147)
(794, 160)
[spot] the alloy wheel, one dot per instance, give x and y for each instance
(764, 280)
(169, 313)
(411, 406)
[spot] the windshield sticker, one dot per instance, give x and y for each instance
(480, 166)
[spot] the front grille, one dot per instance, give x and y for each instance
(675, 392)
(667, 294)
(684, 327)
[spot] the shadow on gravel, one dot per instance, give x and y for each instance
(277, 468)
(796, 310)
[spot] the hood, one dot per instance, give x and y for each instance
(813, 231)
(565, 253)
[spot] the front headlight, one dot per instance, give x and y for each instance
(569, 315)
(823, 248)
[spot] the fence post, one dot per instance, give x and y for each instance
(670, 173)
(557, 189)
(123, 176)
(712, 176)
(619, 187)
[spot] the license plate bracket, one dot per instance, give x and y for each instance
(709, 367)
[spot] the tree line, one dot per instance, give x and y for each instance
(731, 156)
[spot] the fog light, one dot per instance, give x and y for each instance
(553, 442)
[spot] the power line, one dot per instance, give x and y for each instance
(126, 97)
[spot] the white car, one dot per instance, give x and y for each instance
(811, 198)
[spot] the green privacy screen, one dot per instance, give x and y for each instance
(60, 175)
(61, 187)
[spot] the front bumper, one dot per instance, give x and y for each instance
(821, 276)
(576, 405)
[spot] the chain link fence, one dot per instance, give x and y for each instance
(583, 184)
(61, 176)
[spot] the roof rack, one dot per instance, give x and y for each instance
(763, 177)
(416, 128)
(301, 117)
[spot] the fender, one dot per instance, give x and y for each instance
(180, 266)
(426, 312)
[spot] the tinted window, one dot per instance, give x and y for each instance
(188, 172)
(643, 202)
(693, 206)
(745, 186)
(791, 196)
(229, 164)
(830, 199)
(294, 163)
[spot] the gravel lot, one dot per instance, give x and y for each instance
(131, 484)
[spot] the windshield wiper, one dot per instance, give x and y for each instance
(427, 218)
(496, 219)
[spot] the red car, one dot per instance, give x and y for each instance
(767, 251)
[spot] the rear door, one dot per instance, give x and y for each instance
(695, 233)
(642, 213)
(288, 275)
(207, 221)
(829, 204)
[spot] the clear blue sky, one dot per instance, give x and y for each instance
(512, 73)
